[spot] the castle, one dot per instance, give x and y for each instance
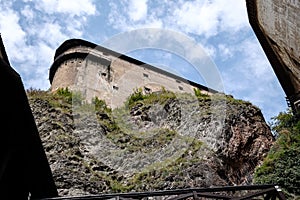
(96, 71)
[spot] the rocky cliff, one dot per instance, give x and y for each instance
(154, 142)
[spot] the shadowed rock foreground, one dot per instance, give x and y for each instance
(155, 142)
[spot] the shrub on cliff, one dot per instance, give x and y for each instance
(156, 97)
(282, 165)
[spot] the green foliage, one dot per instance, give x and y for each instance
(64, 92)
(282, 164)
(155, 97)
(70, 97)
(136, 96)
(100, 105)
(62, 97)
(36, 92)
(199, 94)
(284, 121)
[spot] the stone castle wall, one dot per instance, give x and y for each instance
(111, 76)
(277, 27)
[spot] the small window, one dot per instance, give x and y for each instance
(145, 75)
(147, 90)
(115, 87)
(180, 88)
(103, 74)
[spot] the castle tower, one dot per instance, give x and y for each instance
(96, 71)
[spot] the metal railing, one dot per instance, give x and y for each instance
(266, 192)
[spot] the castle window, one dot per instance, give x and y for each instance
(147, 90)
(115, 87)
(180, 88)
(145, 75)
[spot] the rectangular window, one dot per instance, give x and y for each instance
(115, 87)
(147, 90)
(145, 75)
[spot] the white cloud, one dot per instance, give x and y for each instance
(209, 17)
(125, 15)
(232, 15)
(73, 8)
(33, 30)
(137, 9)
(27, 12)
(248, 67)
(255, 63)
(201, 17)
(197, 17)
(225, 51)
(12, 33)
(51, 33)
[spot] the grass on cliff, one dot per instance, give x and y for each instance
(149, 99)
(64, 98)
(156, 174)
(282, 164)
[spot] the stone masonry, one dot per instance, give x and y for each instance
(99, 72)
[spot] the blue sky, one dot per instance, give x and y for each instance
(33, 29)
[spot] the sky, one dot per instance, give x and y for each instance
(33, 29)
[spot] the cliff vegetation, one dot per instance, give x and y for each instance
(282, 164)
(155, 141)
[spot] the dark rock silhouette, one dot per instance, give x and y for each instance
(24, 168)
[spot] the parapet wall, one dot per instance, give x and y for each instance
(99, 72)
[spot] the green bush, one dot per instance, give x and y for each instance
(32, 92)
(65, 93)
(282, 164)
(198, 93)
(148, 99)
(136, 96)
(100, 105)
(70, 97)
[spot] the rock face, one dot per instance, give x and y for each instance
(163, 141)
